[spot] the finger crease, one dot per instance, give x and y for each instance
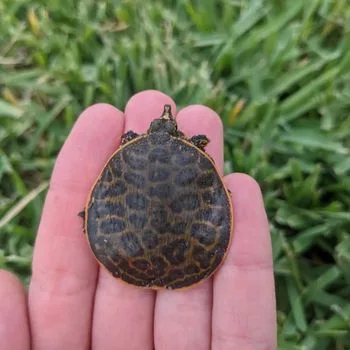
(250, 266)
(68, 188)
(257, 343)
(61, 282)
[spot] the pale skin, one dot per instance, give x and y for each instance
(72, 303)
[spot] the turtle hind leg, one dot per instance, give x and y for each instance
(82, 215)
(200, 141)
(128, 136)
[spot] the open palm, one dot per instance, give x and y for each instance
(73, 304)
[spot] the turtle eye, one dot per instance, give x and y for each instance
(170, 126)
(158, 125)
(155, 126)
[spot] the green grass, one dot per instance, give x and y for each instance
(278, 73)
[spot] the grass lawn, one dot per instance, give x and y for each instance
(278, 72)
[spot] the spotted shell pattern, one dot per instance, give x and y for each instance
(159, 215)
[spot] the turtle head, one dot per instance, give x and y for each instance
(165, 123)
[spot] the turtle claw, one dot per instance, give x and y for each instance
(200, 141)
(128, 136)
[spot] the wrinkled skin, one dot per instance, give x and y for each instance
(73, 304)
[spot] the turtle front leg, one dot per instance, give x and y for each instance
(199, 141)
(128, 136)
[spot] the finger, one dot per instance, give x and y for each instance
(188, 312)
(117, 303)
(197, 120)
(244, 314)
(145, 106)
(64, 270)
(14, 329)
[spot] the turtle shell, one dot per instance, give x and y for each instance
(159, 215)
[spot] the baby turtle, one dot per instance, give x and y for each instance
(159, 215)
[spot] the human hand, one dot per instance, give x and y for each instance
(72, 304)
